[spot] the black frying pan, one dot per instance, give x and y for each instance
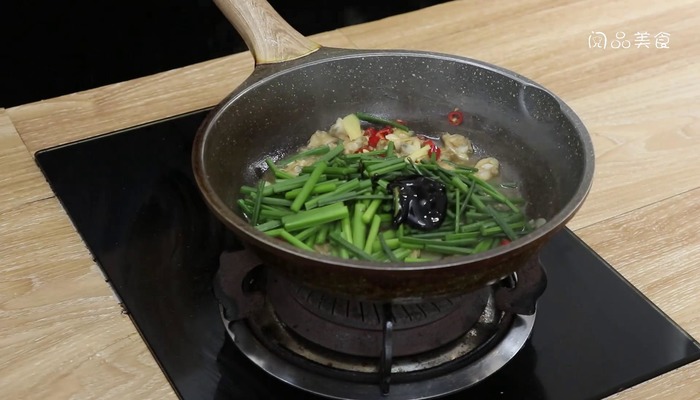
(298, 87)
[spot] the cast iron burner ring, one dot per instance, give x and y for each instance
(351, 349)
(356, 327)
(303, 378)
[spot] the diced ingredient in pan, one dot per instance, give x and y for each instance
(457, 148)
(419, 202)
(487, 168)
(455, 117)
(371, 189)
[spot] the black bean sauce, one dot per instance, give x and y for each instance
(419, 202)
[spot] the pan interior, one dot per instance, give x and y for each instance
(541, 146)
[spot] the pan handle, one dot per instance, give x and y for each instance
(268, 36)
(238, 282)
(531, 283)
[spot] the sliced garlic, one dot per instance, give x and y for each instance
(488, 168)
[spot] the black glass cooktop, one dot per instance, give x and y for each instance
(132, 197)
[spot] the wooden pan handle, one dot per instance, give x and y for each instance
(268, 36)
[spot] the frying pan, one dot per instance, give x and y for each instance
(298, 87)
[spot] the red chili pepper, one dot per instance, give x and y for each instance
(363, 149)
(373, 141)
(386, 131)
(455, 117)
(433, 148)
(374, 136)
(505, 242)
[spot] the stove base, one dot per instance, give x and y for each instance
(463, 377)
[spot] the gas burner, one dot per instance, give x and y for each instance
(351, 349)
(358, 326)
(316, 377)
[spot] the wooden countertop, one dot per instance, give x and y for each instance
(61, 331)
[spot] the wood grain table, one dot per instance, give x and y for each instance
(62, 334)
